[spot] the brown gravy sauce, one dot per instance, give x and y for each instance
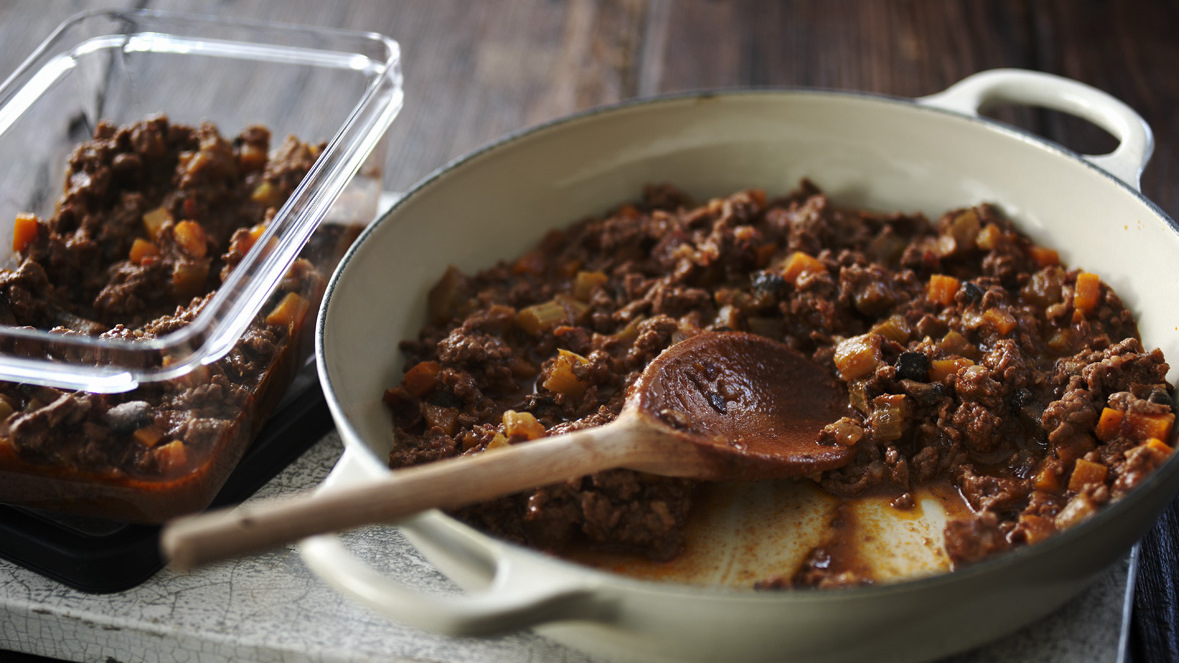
(785, 533)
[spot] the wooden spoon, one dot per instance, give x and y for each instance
(718, 405)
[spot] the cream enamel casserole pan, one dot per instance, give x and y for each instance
(930, 154)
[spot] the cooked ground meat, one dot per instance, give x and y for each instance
(971, 356)
(153, 217)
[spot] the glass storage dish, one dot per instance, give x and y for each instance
(336, 90)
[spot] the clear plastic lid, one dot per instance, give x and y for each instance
(338, 86)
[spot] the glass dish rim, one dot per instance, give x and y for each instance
(225, 317)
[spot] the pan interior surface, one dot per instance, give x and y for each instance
(864, 152)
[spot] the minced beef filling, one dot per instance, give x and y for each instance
(970, 355)
(153, 217)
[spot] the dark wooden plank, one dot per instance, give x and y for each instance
(477, 71)
(1129, 49)
(905, 48)
(1154, 625)
(24, 25)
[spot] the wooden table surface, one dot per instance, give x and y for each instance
(477, 70)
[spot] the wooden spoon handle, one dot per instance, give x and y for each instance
(251, 528)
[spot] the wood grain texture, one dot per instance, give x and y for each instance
(475, 71)
(1129, 49)
(1154, 632)
(907, 48)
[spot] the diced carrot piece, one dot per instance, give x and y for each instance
(532, 262)
(763, 253)
(1087, 292)
(1108, 424)
(1145, 426)
(1048, 478)
(155, 219)
(1044, 257)
(142, 250)
(941, 289)
(939, 369)
(421, 379)
(522, 425)
(857, 356)
(1086, 473)
(245, 240)
(562, 379)
(470, 440)
(290, 310)
(24, 231)
(171, 457)
(1003, 321)
(256, 231)
(252, 157)
(988, 237)
(800, 263)
(150, 435)
(1158, 445)
(191, 238)
(440, 417)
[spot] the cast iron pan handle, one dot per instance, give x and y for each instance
(975, 93)
(511, 599)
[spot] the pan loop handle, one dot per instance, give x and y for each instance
(1033, 88)
(514, 599)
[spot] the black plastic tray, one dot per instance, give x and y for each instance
(101, 556)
